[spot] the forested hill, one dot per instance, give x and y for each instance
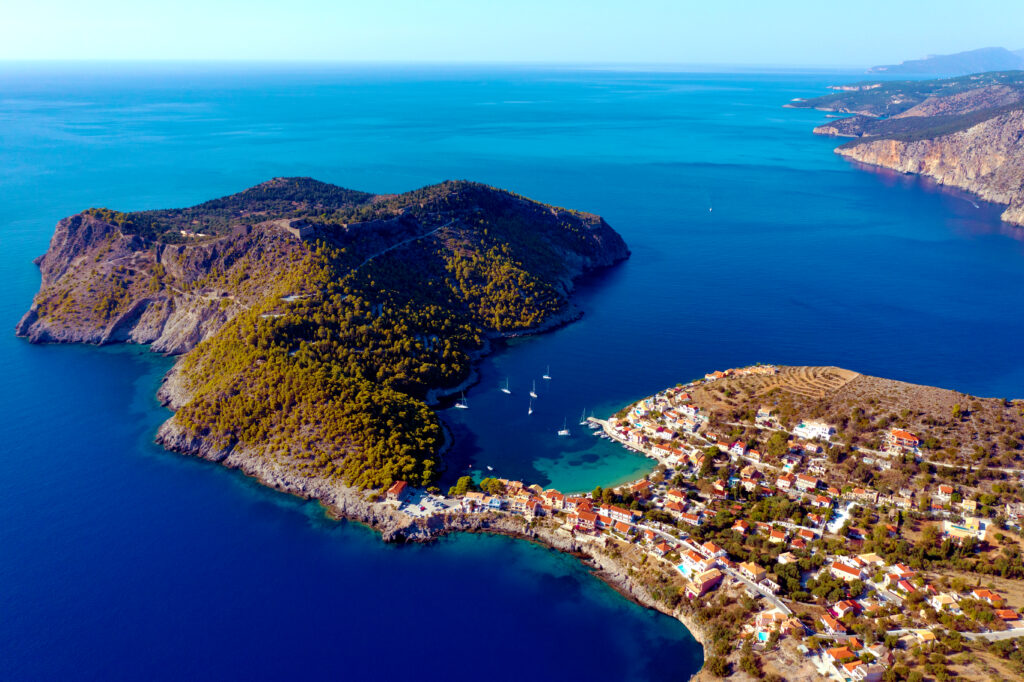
(315, 321)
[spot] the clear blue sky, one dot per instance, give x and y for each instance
(754, 32)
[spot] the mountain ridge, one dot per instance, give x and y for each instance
(958, 64)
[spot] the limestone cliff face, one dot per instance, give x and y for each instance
(987, 159)
(102, 286)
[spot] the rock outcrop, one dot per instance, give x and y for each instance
(100, 285)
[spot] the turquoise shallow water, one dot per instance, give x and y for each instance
(123, 561)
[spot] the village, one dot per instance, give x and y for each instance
(835, 569)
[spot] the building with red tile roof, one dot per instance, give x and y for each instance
(397, 491)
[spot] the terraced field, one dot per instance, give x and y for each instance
(814, 383)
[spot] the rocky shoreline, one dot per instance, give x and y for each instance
(173, 321)
(986, 160)
(344, 503)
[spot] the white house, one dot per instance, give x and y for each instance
(814, 430)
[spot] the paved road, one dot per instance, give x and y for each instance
(775, 601)
(995, 636)
(891, 596)
(401, 243)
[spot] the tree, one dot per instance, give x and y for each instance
(717, 666)
(778, 444)
(464, 485)
(492, 486)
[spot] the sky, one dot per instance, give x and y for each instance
(741, 32)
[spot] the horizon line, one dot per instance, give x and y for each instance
(161, 61)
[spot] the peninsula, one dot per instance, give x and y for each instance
(963, 132)
(316, 324)
(825, 524)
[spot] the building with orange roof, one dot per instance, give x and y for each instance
(832, 626)
(904, 439)
(704, 582)
(988, 596)
(641, 489)
(752, 571)
(586, 520)
(840, 654)
(851, 666)
(398, 491)
(844, 572)
(711, 550)
(554, 499)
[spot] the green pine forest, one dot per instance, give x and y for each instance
(328, 369)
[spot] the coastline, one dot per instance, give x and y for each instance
(342, 503)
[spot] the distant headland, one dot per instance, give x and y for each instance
(963, 132)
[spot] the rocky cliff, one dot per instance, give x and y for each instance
(986, 159)
(964, 132)
(100, 285)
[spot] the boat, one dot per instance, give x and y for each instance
(583, 417)
(529, 410)
(533, 391)
(505, 388)
(461, 403)
(565, 430)
(547, 374)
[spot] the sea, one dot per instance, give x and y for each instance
(751, 242)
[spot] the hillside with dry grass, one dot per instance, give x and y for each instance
(954, 427)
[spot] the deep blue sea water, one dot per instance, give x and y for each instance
(121, 561)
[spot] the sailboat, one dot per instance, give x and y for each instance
(529, 410)
(533, 391)
(547, 374)
(565, 430)
(505, 388)
(461, 403)
(583, 417)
